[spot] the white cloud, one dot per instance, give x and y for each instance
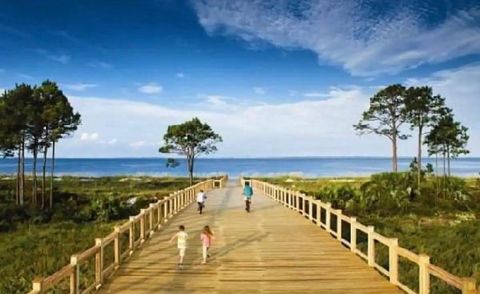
(259, 90)
(62, 58)
(308, 127)
(216, 100)
(89, 136)
(137, 144)
(315, 94)
(180, 75)
(112, 141)
(25, 76)
(348, 32)
(79, 86)
(99, 64)
(292, 93)
(248, 129)
(151, 88)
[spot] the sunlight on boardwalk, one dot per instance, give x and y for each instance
(271, 249)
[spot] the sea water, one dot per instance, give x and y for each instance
(235, 167)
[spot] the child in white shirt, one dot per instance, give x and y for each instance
(181, 237)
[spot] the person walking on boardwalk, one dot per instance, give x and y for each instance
(201, 197)
(181, 237)
(247, 193)
(206, 237)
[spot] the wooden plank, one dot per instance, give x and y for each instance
(270, 249)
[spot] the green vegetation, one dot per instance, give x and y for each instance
(38, 242)
(189, 139)
(441, 218)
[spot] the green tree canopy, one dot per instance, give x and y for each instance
(385, 115)
(422, 109)
(190, 139)
(449, 138)
(34, 118)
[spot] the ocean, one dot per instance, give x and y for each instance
(235, 167)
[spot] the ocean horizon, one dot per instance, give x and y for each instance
(308, 166)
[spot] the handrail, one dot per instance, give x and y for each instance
(149, 220)
(304, 205)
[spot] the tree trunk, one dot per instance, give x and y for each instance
(394, 155)
(448, 161)
(190, 161)
(34, 172)
(444, 164)
(44, 171)
(22, 173)
(419, 157)
(444, 174)
(51, 174)
(436, 172)
(17, 183)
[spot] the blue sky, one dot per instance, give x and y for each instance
(263, 73)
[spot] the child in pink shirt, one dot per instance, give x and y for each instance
(206, 236)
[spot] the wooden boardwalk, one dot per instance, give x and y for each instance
(271, 249)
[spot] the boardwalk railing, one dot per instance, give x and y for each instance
(334, 221)
(135, 231)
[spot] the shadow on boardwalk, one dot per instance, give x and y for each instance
(271, 249)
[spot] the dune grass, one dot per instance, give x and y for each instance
(38, 243)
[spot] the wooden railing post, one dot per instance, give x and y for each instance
(180, 204)
(74, 276)
(328, 208)
(371, 246)
(150, 219)
(304, 207)
(423, 274)
(184, 202)
(165, 211)
(175, 202)
(353, 234)
(288, 199)
(37, 285)
(310, 208)
(468, 286)
(171, 205)
(116, 246)
(131, 234)
(142, 225)
(318, 203)
(339, 224)
(393, 260)
(159, 213)
(99, 263)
